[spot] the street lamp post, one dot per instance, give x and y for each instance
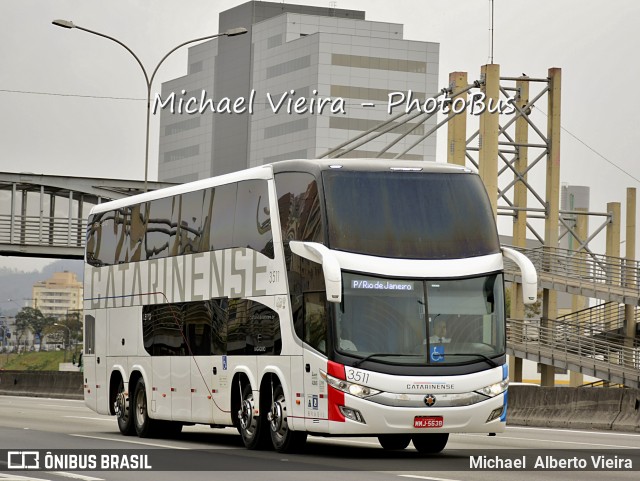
(232, 32)
(68, 338)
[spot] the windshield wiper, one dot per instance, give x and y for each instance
(490, 361)
(383, 354)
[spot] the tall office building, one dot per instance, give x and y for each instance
(292, 52)
(58, 295)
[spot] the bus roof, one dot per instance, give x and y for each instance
(266, 171)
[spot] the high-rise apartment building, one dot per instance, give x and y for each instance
(58, 295)
(292, 52)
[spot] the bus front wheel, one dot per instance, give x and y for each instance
(430, 443)
(123, 411)
(284, 440)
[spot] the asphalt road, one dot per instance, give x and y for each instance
(70, 432)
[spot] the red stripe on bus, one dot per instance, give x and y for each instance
(335, 398)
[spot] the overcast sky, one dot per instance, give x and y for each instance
(94, 125)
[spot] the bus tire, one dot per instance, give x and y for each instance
(284, 440)
(123, 411)
(393, 442)
(430, 443)
(144, 425)
(250, 426)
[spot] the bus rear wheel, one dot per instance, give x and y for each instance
(430, 443)
(284, 440)
(144, 425)
(123, 411)
(394, 442)
(250, 426)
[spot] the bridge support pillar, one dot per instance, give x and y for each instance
(520, 214)
(578, 303)
(489, 126)
(630, 272)
(550, 297)
(457, 125)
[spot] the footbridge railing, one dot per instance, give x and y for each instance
(561, 346)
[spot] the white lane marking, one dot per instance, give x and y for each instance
(14, 477)
(130, 441)
(110, 419)
(430, 478)
(82, 477)
(598, 433)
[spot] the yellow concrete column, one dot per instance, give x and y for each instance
(457, 125)
(488, 155)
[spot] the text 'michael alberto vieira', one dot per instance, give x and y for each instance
(550, 462)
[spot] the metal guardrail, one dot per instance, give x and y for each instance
(42, 231)
(563, 347)
(592, 275)
(602, 320)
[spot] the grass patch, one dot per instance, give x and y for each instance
(33, 361)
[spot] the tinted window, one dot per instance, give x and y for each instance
(315, 320)
(221, 214)
(121, 231)
(89, 334)
(159, 229)
(137, 229)
(191, 222)
(299, 207)
(252, 227)
(232, 215)
(253, 329)
(409, 214)
(162, 327)
(183, 329)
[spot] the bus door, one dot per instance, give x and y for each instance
(315, 360)
(315, 392)
(89, 359)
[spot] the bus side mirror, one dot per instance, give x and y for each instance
(528, 273)
(330, 267)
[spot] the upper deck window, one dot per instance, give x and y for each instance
(409, 215)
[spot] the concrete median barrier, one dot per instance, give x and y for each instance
(576, 408)
(56, 384)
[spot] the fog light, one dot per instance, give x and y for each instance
(352, 414)
(496, 413)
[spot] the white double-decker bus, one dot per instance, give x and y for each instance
(349, 298)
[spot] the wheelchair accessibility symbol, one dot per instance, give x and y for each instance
(437, 354)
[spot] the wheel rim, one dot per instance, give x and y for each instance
(277, 417)
(248, 423)
(141, 407)
(122, 404)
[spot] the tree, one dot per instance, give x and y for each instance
(33, 320)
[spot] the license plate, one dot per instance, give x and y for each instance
(428, 422)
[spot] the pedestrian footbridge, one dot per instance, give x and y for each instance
(590, 341)
(45, 215)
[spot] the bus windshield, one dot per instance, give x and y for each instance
(418, 322)
(409, 215)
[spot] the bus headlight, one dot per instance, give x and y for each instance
(494, 389)
(349, 387)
